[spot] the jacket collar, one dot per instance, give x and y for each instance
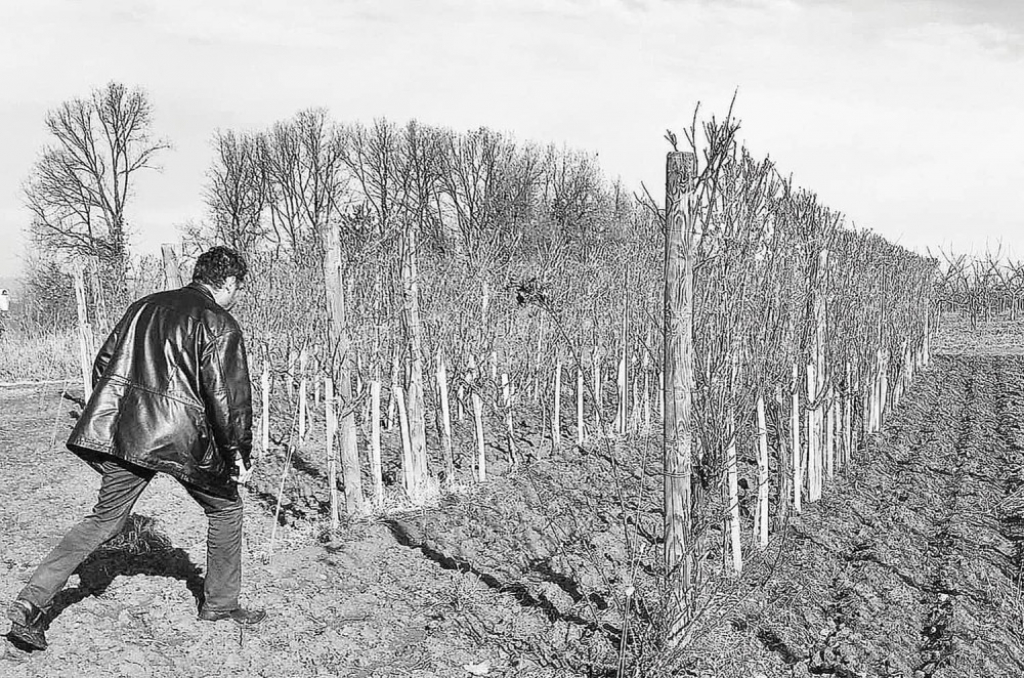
(199, 287)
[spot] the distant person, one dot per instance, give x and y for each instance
(170, 393)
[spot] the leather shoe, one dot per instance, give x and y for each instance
(27, 622)
(239, 615)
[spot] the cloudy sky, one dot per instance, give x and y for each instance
(906, 116)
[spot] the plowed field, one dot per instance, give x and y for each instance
(910, 566)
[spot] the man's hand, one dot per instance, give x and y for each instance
(241, 475)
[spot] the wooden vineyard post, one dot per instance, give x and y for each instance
(867, 387)
(341, 370)
(661, 396)
(506, 394)
(580, 426)
(556, 414)
(595, 358)
(421, 482)
(798, 473)
(403, 426)
(877, 396)
(762, 474)
(734, 495)
(395, 383)
(830, 433)
(848, 415)
(678, 393)
(316, 384)
(927, 338)
(884, 400)
(647, 380)
(812, 447)
(291, 377)
(265, 409)
(172, 269)
(622, 415)
(376, 473)
(303, 389)
(817, 449)
(332, 458)
(99, 303)
(86, 347)
(623, 374)
(446, 422)
(478, 419)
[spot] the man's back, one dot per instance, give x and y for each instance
(171, 390)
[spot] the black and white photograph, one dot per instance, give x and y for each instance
(512, 338)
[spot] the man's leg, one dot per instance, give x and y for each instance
(119, 489)
(223, 558)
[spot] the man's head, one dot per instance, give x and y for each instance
(221, 270)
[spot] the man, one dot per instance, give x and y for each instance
(170, 393)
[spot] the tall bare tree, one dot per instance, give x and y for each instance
(80, 187)
(238, 190)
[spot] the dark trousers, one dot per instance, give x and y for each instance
(121, 486)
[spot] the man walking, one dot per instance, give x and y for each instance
(171, 393)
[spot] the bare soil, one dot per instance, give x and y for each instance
(910, 566)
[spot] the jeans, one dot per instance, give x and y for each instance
(120, 488)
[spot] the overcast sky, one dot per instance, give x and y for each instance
(907, 116)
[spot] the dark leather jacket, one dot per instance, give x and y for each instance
(171, 391)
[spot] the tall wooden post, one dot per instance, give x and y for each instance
(580, 427)
(732, 482)
(332, 458)
(340, 340)
(265, 409)
(303, 389)
(86, 348)
(478, 419)
(798, 469)
(678, 427)
(762, 474)
(172, 269)
(556, 414)
(446, 420)
(376, 474)
(421, 482)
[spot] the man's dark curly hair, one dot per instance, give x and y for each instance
(216, 264)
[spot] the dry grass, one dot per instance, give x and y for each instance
(53, 355)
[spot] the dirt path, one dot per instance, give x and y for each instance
(365, 607)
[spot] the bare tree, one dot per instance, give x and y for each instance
(237, 192)
(302, 162)
(79, 188)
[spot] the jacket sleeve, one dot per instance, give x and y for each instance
(106, 352)
(227, 394)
